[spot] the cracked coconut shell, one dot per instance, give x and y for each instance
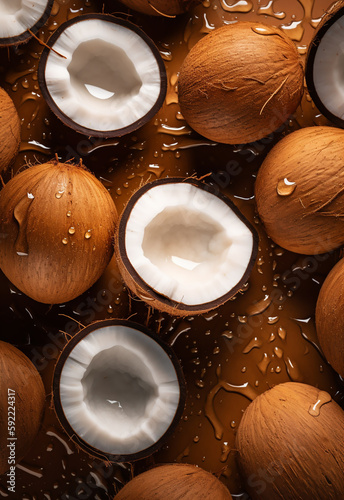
(290, 445)
(329, 317)
(166, 8)
(240, 83)
(174, 482)
(18, 374)
(9, 130)
(300, 191)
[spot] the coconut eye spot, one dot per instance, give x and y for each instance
(102, 71)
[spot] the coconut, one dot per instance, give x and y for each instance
(104, 76)
(167, 8)
(9, 130)
(290, 445)
(240, 83)
(183, 249)
(22, 400)
(19, 19)
(57, 223)
(324, 75)
(174, 481)
(330, 317)
(299, 191)
(118, 390)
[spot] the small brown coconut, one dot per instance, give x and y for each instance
(240, 83)
(290, 445)
(9, 130)
(57, 223)
(22, 400)
(167, 8)
(329, 317)
(300, 191)
(175, 482)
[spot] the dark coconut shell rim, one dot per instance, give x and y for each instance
(26, 35)
(204, 307)
(331, 17)
(84, 445)
(65, 118)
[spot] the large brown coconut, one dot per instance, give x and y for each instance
(57, 223)
(240, 83)
(9, 130)
(330, 317)
(290, 444)
(300, 191)
(174, 482)
(22, 400)
(169, 8)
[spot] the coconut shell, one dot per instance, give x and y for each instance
(174, 482)
(240, 83)
(307, 215)
(57, 222)
(9, 130)
(290, 445)
(167, 8)
(330, 317)
(17, 373)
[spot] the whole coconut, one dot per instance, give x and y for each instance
(57, 223)
(329, 317)
(174, 482)
(169, 8)
(290, 445)
(240, 83)
(19, 380)
(9, 130)
(300, 191)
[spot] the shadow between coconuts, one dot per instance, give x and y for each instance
(66, 119)
(167, 304)
(79, 441)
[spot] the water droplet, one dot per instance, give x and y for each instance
(110, 309)
(59, 194)
(71, 230)
(285, 187)
(199, 383)
(323, 398)
(272, 320)
(196, 439)
(69, 213)
(88, 234)
(65, 241)
(282, 333)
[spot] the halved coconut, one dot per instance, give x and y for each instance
(118, 390)
(104, 78)
(324, 65)
(19, 16)
(183, 249)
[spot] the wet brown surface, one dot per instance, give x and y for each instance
(263, 337)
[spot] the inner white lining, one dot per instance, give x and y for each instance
(328, 69)
(119, 390)
(187, 244)
(109, 79)
(16, 16)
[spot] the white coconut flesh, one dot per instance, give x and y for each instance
(187, 244)
(328, 69)
(119, 390)
(17, 16)
(109, 78)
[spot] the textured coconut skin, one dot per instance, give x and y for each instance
(285, 453)
(160, 7)
(174, 482)
(310, 220)
(54, 271)
(9, 130)
(330, 317)
(20, 375)
(227, 91)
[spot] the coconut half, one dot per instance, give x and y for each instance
(19, 16)
(324, 65)
(105, 77)
(183, 249)
(118, 390)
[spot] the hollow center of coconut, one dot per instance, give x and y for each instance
(17, 16)
(119, 390)
(187, 243)
(108, 79)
